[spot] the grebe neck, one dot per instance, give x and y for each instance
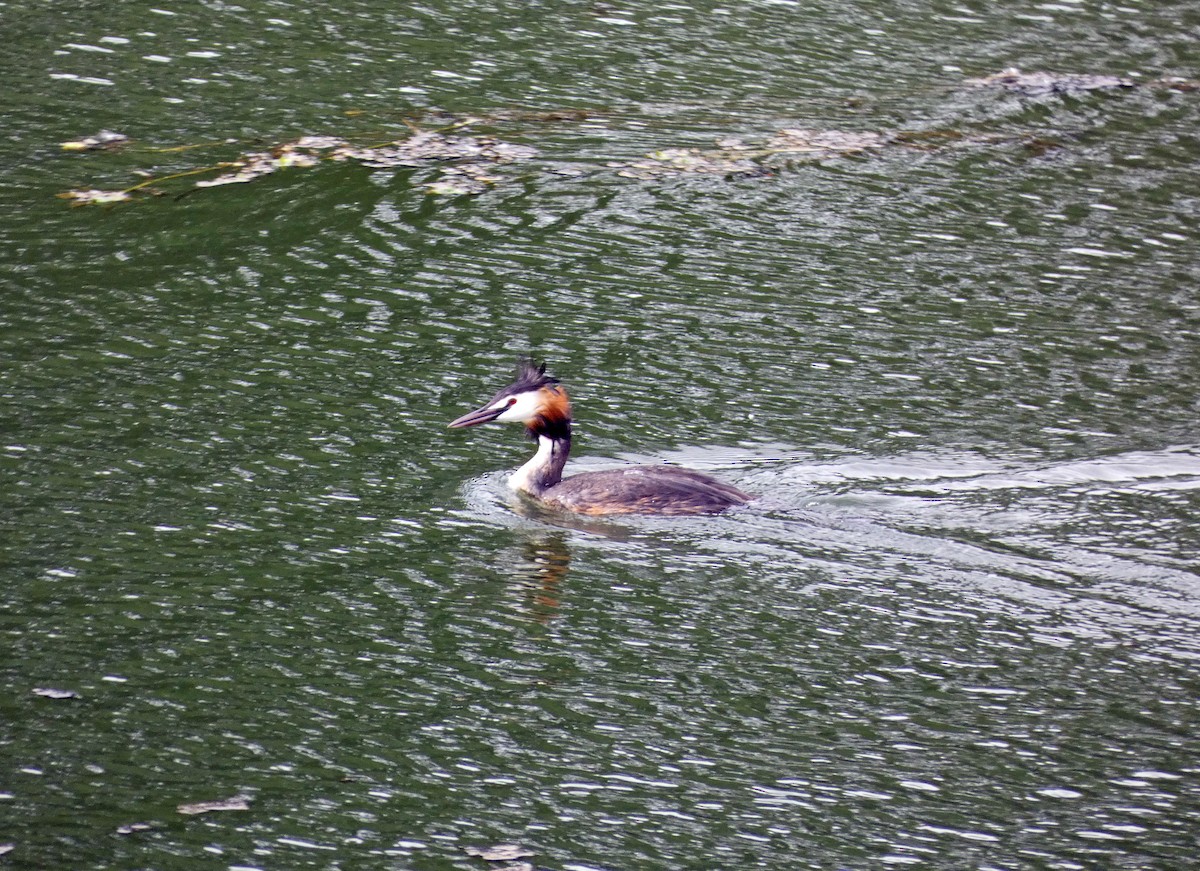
(544, 469)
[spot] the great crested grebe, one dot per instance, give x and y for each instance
(540, 402)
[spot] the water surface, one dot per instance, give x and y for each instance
(957, 629)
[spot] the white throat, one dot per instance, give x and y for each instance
(524, 479)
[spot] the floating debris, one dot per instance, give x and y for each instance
(425, 148)
(1174, 83)
(1041, 83)
(421, 149)
(682, 161)
(930, 138)
(465, 159)
(1040, 146)
(257, 164)
(236, 803)
(500, 852)
(465, 165)
(133, 828)
(95, 197)
(319, 143)
(737, 159)
(551, 116)
(506, 152)
(50, 693)
(825, 143)
(104, 139)
(466, 180)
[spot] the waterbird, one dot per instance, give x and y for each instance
(540, 402)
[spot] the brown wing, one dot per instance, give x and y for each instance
(644, 490)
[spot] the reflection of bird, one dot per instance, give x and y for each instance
(540, 402)
(547, 561)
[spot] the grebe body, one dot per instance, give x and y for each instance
(540, 402)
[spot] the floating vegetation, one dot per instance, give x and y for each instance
(819, 144)
(680, 161)
(499, 852)
(105, 139)
(464, 163)
(1043, 83)
(552, 116)
(259, 163)
(1036, 84)
(734, 158)
(466, 156)
(1175, 83)
(423, 149)
(134, 828)
(236, 803)
(95, 197)
(467, 179)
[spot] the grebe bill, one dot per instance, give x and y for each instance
(540, 402)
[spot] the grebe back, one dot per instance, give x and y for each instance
(540, 402)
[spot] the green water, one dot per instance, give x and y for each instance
(957, 629)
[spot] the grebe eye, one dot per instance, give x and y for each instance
(512, 400)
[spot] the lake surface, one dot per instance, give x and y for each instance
(960, 626)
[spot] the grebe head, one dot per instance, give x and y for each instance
(534, 399)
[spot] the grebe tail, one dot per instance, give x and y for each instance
(540, 402)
